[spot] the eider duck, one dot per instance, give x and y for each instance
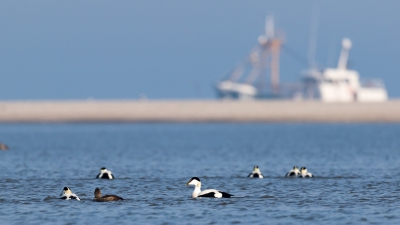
(3, 146)
(305, 173)
(210, 193)
(294, 172)
(106, 198)
(105, 174)
(67, 194)
(256, 173)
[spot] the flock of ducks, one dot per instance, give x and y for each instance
(295, 172)
(67, 194)
(213, 193)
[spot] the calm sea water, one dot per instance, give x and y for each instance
(357, 169)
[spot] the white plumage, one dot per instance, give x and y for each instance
(256, 173)
(210, 193)
(105, 174)
(305, 173)
(294, 172)
(67, 194)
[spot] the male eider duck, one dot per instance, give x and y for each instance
(105, 174)
(106, 198)
(67, 194)
(256, 173)
(210, 193)
(294, 172)
(305, 173)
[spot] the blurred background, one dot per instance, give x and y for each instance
(179, 49)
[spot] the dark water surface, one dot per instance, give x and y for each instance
(357, 169)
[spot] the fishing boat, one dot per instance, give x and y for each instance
(341, 84)
(248, 80)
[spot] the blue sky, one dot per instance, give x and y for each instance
(52, 50)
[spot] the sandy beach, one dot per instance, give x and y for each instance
(197, 111)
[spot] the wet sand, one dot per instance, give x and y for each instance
(197, 111)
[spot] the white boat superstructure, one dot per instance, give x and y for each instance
(341, 84)
(236, 90)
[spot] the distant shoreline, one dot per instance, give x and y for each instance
(198, 111)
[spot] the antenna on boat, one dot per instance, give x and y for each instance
(312, 41)
(269, 31)
(269, 27)
(344, 54)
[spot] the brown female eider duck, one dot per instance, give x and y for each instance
(106, 198)
(3, 146)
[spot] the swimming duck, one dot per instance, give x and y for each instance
(106, 198)
(210, 193)
(105, 174)
(67, 194)
(294, 172)
(3, 146)
(256, 173)
(305, 173)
